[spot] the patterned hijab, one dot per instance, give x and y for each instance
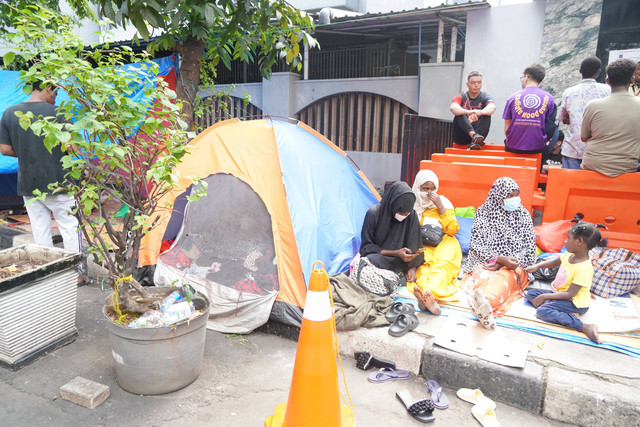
(498, 231)
(422, 203)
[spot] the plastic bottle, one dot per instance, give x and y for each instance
(170, 299)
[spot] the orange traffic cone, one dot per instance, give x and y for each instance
(314, 397)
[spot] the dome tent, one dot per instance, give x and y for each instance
(279, 197)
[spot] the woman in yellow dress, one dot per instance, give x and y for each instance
(439, 273)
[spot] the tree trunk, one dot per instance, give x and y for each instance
(192, 52)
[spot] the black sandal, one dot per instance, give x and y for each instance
(365, 361)
(421, 410)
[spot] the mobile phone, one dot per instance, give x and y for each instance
(418, 251)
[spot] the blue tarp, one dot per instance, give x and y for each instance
(12, 94)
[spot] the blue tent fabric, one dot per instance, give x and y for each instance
(311, 175)
(11, 94)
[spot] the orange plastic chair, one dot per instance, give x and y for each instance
(614, 202)
(491, 160)
(467, 184)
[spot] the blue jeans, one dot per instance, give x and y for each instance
(571, 163)
(558, 311)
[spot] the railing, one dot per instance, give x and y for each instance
(372, 61)
(422, 137)
(214, 109)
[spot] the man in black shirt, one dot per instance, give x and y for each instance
(37, 168)
(472, 110)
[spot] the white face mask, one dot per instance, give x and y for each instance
(400, 217)
(425, 196)
(512, 204)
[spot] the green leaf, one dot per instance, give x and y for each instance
(209, 15)
(8, 58)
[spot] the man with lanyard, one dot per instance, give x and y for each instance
(472, 110)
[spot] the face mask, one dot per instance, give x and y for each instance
(512, 204)
(424, 195)
(400, 217)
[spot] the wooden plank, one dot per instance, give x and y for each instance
(333, 123)
(325, 118)
(359, 124)
(376, 124)
(385, 140)
(342, 118)
(396, 131)
(351, 122)
(366, 140)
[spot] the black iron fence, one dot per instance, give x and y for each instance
(422, 137)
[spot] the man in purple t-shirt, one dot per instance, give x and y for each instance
(526, 112)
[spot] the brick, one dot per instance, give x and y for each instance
(84, 392)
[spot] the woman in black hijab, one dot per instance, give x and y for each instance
(391, 232)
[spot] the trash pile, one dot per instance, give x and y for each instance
(183, 303)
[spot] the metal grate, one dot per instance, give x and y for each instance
(423, 136)
(358, 121)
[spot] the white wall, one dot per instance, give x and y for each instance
(378, 167)
(500, 43)
(403, 89)
(439, 83)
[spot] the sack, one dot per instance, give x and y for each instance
(546, 273)
(376, 280)
(615, 272)
(550, 237)
(431, 234)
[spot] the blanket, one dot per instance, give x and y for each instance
(354, 307)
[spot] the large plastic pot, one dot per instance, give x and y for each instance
(158, 360)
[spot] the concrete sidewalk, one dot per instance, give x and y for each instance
(563, 381)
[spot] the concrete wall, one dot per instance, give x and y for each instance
(438, 85)
(500, 43)
(403, 89)
(378, 167)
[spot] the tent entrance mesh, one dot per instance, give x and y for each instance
(226, 238)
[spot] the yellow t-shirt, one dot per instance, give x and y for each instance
(580, 274)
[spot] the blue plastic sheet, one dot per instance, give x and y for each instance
(12, 94)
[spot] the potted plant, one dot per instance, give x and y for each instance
(124, 136)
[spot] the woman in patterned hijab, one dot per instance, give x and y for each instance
(502, 245)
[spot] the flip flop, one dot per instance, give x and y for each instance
(397, 309)
(366, 361)
(439, 399)
(485, 416)
(403, 324)
(388, 374)
(421, 410)
(476, 397)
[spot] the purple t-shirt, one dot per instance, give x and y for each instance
(528, 109)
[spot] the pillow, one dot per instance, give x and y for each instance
(464, 233)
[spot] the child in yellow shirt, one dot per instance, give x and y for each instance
(570, 295)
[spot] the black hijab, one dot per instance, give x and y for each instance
(381, 230)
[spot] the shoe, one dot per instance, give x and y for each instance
(403, 324)
(365, 361)
(397, 309)
(421, 410)
(476, 142)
